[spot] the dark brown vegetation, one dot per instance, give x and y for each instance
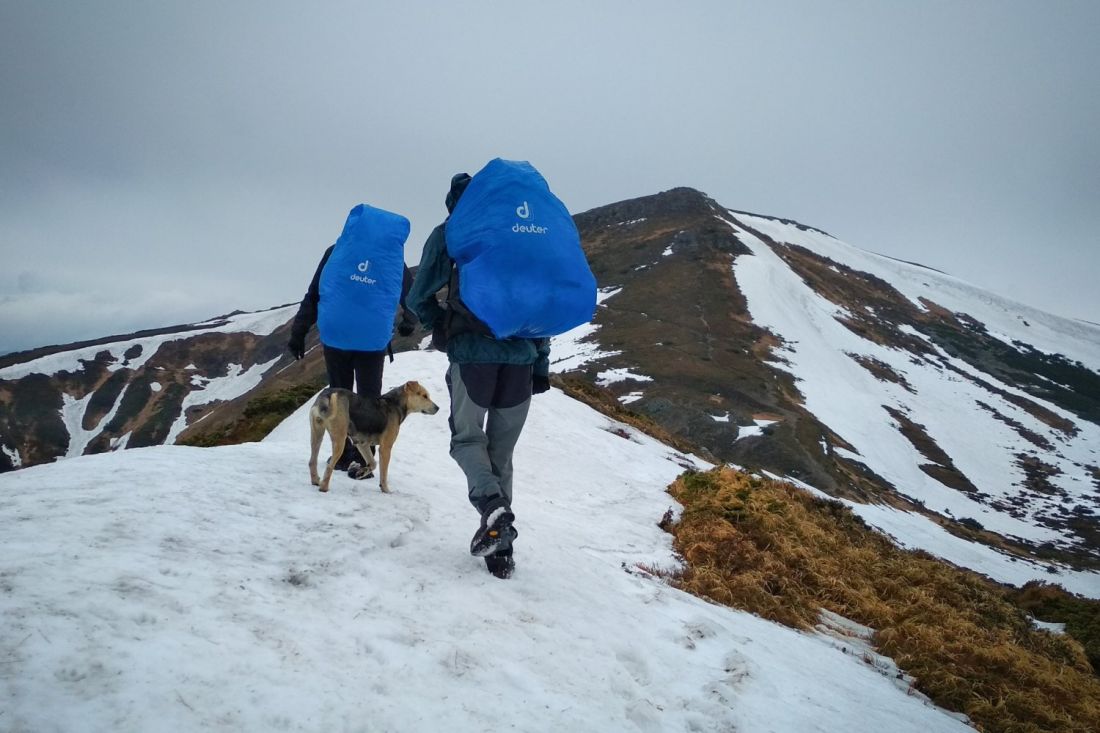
(769, 548)
(1053, 604)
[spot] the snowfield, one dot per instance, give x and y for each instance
(819, 351)
(176, 589)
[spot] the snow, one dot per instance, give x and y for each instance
(179, 588)
(1011, 320)
(745, 431)
(748, 431)
(820, 352)
(720, 418)
(262, 323)
(13, 455)
(574, 349)
(235, 383)
(72, 416)
(1051, 626)
(622, 374)
(630, 397)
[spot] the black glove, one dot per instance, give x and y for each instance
(439, 334)
(297, 347)
(405, 328)
(539, 384)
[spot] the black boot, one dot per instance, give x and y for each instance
(358, 471)
(347, 457)
(496, 532)
(501, 564)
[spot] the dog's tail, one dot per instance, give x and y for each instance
(325, 404)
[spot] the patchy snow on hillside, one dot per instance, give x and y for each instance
(13, 455)
(575, 348)
(262, 323)
(235, 383)
(1047, 332)
(177, 588)
(821, 353)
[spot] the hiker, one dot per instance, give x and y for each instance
(491, 376)
(353, 299)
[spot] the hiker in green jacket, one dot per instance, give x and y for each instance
(490, 382)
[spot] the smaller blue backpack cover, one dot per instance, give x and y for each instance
(521, 269)
(360, 285)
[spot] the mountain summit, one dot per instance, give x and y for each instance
(776, 346)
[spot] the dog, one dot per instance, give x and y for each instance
(368, 421)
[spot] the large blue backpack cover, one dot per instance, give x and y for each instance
(521, 269)
(361, 283)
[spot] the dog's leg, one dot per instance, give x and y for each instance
(368, 457)
(384, 449)
(316, 433)
(338, 432)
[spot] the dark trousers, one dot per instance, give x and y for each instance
(489, 404)
(361, 368)
(360, 371)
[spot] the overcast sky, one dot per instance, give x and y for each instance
(162, 163)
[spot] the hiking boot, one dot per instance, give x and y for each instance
(358, 471)
(500, 564)
(496, 532)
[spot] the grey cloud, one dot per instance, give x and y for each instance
(215, 148)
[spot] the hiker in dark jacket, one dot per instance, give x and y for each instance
(490, 382)
(358, 370)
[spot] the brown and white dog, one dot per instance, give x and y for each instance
(366, 420)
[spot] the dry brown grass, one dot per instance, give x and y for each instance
(775, 550)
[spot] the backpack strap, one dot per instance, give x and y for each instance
(459, 318)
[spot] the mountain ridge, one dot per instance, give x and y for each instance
(687, 339)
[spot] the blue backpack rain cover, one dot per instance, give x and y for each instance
(521, 268)
(361, 284)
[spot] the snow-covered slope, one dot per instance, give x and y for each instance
(174, 588)
(1030, 463)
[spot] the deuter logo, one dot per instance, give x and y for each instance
(363, 267)
(523, 211)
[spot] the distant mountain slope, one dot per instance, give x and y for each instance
(935, 388)
(132, 391)
(778, 347)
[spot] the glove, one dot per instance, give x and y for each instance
(539, 384)
(405, 328)
(439, 334)
(297, 348)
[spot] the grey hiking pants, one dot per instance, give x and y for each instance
(489, 404)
